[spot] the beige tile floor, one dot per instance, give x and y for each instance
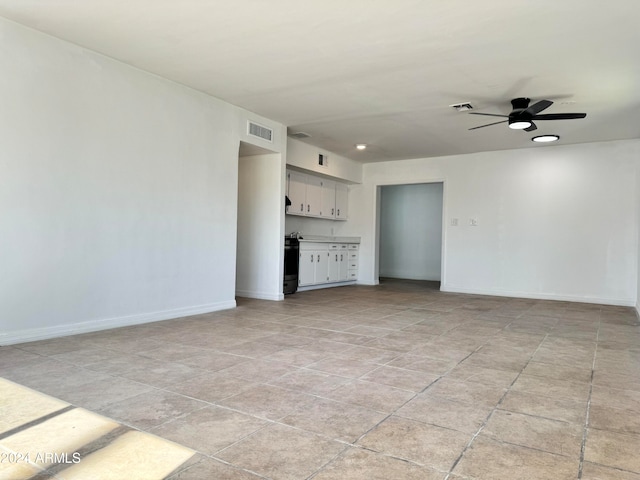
(397, 381)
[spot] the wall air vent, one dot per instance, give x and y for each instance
(299, 135)
(259, 131)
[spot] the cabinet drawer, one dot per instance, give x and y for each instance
(353, 274)
(353, 265)
(334, 246)
(353, 256)
(313, 246)
(353, 246)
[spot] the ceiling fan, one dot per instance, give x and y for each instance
(523, 115)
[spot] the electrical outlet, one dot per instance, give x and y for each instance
(473, 222)
(454, 222)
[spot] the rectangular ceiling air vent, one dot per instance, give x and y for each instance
(462, 107)
(299, 135)
(260, 131)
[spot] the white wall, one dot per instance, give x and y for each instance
(638, 237)
(554, 222)
(259, 273)
(117, 191)
(411, 231)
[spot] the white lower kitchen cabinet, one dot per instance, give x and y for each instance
(338, 262)
(327, 263)
(352, 262)
(313, 265)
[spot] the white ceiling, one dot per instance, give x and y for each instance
(381, 72)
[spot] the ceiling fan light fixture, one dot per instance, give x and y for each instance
(545, 138)
(519, 124)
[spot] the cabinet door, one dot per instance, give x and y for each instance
(344, 266)
(334, 264)
(328, 209)
(307, 267)
(314, 196)
(342, 194)
(322, 266)
(296, 191)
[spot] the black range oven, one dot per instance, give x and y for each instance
(291, 259)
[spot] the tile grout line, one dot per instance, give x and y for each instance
(585, 430)
(475, 435)
(347, 445)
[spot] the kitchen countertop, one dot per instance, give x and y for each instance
(324, 239)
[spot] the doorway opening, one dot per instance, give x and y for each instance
(260, 225)
(410, 234)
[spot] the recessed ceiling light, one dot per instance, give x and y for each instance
(361, 146)
(545, 138)
(519, 124)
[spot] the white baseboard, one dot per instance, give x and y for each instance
(43, 333)
(540, 296)
(368, 283)
(638, 309)
(427, 278)
(259, 295)
(325, 285)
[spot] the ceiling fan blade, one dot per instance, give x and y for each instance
(489, 124)
(538, 107)
(559, 116)
(531, 128)
(489, 114)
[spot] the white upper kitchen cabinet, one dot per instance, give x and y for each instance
(328, 202)
(297, 192)
(314, 196)
(342, 195)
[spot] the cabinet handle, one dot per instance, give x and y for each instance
(332, 211)
(308, 208)
(340, 257)
(338, 212)
(336, 257)
(312, 258)
(302, 207)
(318, 257)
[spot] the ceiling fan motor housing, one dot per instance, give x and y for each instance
(520, 103)
(519, 111)
(520, 118)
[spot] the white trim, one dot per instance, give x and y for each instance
(638, 309)
(376, 221)
(260, 295)
(539, 296)
(33, 334)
